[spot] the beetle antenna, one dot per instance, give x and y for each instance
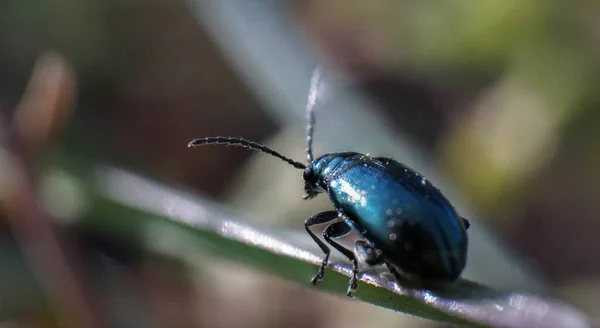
(313, 93)
(241, 142)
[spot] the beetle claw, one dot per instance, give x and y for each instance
(352, 288)
(317, 279)
(319, 276)
(353, 284)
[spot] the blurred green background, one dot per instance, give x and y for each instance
(499, 95)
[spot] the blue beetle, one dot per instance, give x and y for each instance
(404, 221)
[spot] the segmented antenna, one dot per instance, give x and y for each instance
(313, 93)
(241, 142)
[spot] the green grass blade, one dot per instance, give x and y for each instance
(291, 255)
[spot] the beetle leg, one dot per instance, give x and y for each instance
(370, 255)
(332, 230)
(319, 218)
(339, 229)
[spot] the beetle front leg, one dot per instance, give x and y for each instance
(320, 218)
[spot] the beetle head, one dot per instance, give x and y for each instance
(311, 181)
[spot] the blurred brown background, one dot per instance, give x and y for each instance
(499, 95)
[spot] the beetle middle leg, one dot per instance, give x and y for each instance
(339, 229)
(320, 218)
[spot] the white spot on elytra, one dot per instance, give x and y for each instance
(393, 236)
(399, 211)
(388, 212)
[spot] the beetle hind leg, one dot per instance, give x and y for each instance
(466, 223)
(370, 255)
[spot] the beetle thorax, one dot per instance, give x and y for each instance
(321, 170)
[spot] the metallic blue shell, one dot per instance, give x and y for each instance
(397, 210)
